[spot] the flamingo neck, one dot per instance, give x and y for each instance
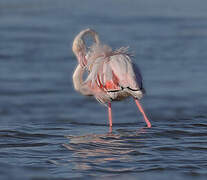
(78, 77)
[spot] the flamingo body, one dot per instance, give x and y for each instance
(113, 77)
(111, 74)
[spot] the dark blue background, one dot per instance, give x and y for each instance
(49, 131)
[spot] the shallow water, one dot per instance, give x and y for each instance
(49, 131)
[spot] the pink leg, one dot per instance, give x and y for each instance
(110, 114)
(143, 113)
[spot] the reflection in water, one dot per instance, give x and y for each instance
(116, 149)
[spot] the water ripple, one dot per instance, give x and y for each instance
(49, 131)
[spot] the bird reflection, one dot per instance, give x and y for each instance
(100, 149)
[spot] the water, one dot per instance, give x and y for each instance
(49, 131)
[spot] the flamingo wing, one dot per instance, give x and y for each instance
(113, 74)
(96, 80)
(128, 74)
(102, 76)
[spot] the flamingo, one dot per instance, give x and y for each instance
(112, 76)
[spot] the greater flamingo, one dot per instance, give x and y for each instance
(111, 74)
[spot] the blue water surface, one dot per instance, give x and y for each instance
(49, 131)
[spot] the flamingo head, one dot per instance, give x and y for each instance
(79, 47)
